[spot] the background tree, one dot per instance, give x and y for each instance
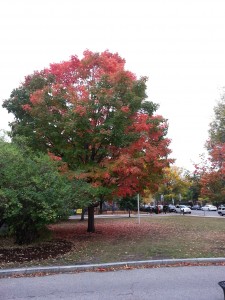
(193, 192)
(92, 113)
(212, 171)
(174, 186)
(217, 126)
(32, 192)
(128, 203)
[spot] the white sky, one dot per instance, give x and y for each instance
(178, 44)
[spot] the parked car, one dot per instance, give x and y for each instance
(209, 207)
(221, 205)
(171, 208)
(158, 209)
(221, 210)
(147, 208)
(183, 209)
(144, 208)
(196, 207)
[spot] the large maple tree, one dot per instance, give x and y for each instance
(93, 114)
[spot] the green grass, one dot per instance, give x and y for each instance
(154, 238)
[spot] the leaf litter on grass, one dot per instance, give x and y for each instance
(121, 240)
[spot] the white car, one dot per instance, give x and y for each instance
(183, 209)
(209, 207)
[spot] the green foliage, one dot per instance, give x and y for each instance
(128, 203)
(83, 194)
(194, 189)
(32, 192)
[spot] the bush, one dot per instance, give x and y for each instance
(32, 192)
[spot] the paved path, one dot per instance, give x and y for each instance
(183, 283)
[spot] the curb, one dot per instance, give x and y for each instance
(96, 267)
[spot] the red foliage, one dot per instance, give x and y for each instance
(218, 157)
(54, 157)
(26, 107)
(212, 173)
(137, 166)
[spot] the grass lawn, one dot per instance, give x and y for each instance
(122, 240)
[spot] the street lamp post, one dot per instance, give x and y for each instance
(138, 207)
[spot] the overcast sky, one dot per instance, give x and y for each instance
(178, 44)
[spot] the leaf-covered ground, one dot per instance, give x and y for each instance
(121, 240)
(39, 252)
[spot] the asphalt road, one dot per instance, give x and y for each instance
(205, 213)
(202, 213)
(199, 213)
(193, 283)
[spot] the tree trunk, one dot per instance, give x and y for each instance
(101, 204)
(100, 207)
(129, 213)
(82, 214)
(91, 219)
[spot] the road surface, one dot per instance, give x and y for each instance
(183, 283)
(198, 213)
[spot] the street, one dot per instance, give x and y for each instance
(173, 283)
(202, 213)
(198, 213)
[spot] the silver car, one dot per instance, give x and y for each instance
(209, 207)
(183, 209)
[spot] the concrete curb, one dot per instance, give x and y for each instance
(95, 267)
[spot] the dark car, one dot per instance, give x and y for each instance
(158, 209)
(196, 207)
(171, 208)
(221, 210)
(147, 208)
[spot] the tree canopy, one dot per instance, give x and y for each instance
(174, 186)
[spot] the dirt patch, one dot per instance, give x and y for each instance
(47, 250)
